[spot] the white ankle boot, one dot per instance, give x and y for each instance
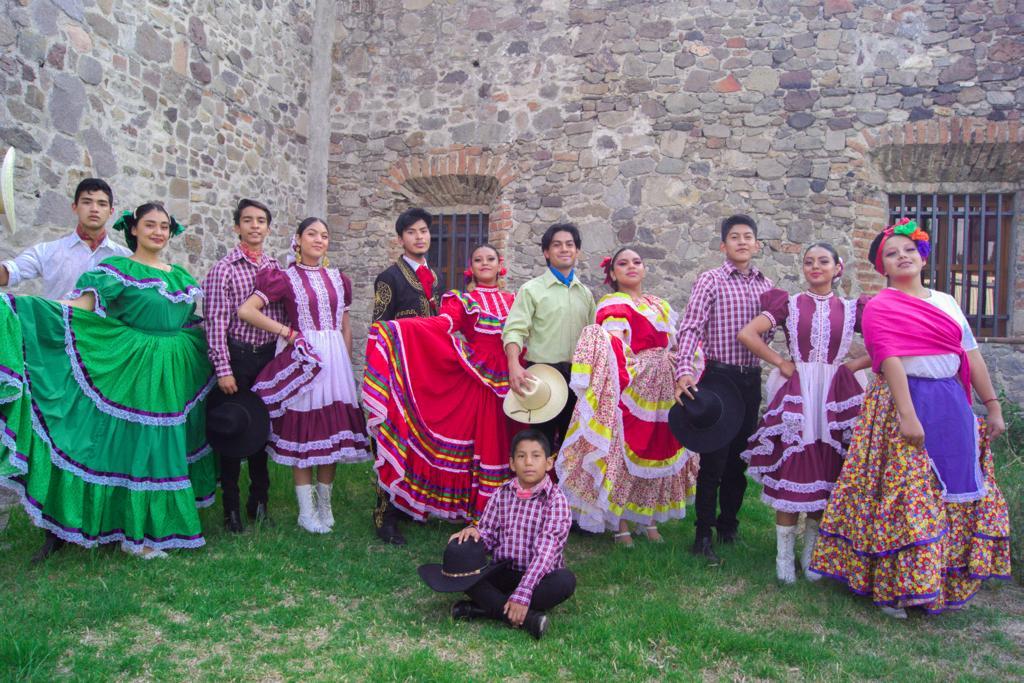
(785, 538)
(810, 538)
(308, 518)
(323, 504)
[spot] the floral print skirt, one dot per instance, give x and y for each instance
(887, 532)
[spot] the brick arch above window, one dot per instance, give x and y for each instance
(942, 154)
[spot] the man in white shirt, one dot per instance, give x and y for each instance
(60, 263)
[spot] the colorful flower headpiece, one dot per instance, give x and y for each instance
(126, 221)
(907, 228)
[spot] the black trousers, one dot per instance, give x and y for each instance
(555, 428)
(246, 362)
(722, 479)
(493, 592)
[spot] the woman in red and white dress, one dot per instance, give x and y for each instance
(620, 462)
(433, 392)
(309, 387)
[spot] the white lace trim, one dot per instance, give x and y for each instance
(339, 287)
(99, 309)
(189, 295)
(323, 300)
(793, 487)
(342, 455)
(302, 303)
(793, 506)
(108, 408)
(849, 322)
(319, 444)
(36, 515)
(204, 450)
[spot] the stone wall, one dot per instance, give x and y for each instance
(646, 122)
(192, 103)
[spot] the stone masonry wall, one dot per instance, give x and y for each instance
(194, 103)
(645, 122)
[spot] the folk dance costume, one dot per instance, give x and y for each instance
(404, 290)
(546, 320)
(722, 301)
(527, 529)
(799, 446)
(434, 405)
(917, 527)
(619, 459)
(309, 387)
(240, 350)
(102, 426)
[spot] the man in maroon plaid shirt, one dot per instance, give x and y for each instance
(721, 303)
(237, 350)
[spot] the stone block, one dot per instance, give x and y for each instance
(669, 191)
(151, 45)
(762, 79)
(800, 120)
(670, 166)
(770, 169)
(90, 70)
(67, 102)
(835, 140)
(755, 145)
(681, 103)
(717, 130)
(636, 167)
(828, 40)
(673, 143)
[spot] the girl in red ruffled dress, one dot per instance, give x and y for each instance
(433, 392)
(814, 400)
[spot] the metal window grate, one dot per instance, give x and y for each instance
(452, 238)
(972, 251)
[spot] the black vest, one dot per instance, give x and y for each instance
(397, 293)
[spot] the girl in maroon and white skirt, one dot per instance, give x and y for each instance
(814, 400)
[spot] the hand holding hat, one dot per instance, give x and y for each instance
(544, 396)
(709, 418)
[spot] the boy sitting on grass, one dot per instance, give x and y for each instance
(524, 526)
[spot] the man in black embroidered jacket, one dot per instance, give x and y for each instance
(406, 289)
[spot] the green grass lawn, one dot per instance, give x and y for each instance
(281, 604)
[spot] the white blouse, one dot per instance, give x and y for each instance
(945, 364)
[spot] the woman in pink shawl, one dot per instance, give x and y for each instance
(916, 518)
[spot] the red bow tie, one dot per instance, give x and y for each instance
(426, 279)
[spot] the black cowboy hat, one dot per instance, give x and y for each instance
(711, 419)
(237, 425)
(464, 565)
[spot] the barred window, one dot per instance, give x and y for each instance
(452, 237)
(972, 251)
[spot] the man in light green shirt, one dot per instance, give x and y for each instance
(547, 317)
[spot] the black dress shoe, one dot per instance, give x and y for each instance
(702, 547)
(536, 624)
(258, 514)
(233, 522)
(52, 544)
(467, 609)
(727, 536)
(389, 533)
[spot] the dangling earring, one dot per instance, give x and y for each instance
(298, 255)
(325, 261)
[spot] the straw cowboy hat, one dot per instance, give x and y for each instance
(7, 189)
(711, 419)
(543, 397)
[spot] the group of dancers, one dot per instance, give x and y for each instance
(519, 413)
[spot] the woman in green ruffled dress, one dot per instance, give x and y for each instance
(102, 424)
